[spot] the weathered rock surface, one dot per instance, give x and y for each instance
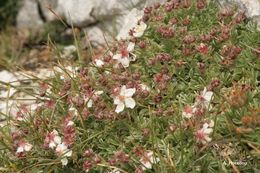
(45, 6)
(250, 7)
(29, 16)
(77, 12)
(112, 18)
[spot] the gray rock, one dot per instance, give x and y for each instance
(250, 7)
(114, 8)
(77, 12)
(45, 5)
(28, 15)
(97, 36)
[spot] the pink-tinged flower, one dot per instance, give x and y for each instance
(139, 29)
(148, 160)
(52, 139)
(20, 117)
(202, 135)
(125, 56)
(124, 99)
(68, 121)
(188, 111)
(203, 48)
(204, 98)
(23, 146)
(62, 150)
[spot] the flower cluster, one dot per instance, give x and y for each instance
(54, 141)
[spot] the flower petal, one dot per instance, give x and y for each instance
(64, 161)
(120, 107)
(124, 61)
(19, 150)
(27, 147)
(90, 103)
(99, 63)
(130, 103)
(129, 92)
(117, 56)
(117, 101)
(130, 46)
(57, 139)
(208, 95)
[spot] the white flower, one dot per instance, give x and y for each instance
(148, 160)
(205, 98)
(124, 99)
(62, 150)
(23, 146)
(139, 30)
(53, 139)
(188, 111)
(124, 57)
(202, 135)
(99, 62)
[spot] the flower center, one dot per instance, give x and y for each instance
(121, 98)
(200, 135)
(124, 52)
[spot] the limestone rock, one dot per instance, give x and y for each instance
(45, 5)
(28, 15)
(250, 7)
(77, 12)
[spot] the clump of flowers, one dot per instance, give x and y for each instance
(185, 79)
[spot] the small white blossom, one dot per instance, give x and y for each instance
(124, 99)
(202, 135)
(188, 111)
(204, 98)
(53, 139)
(148, 160)
(125, 56)
(23, 146)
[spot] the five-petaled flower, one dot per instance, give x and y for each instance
(124, 99)
(124, 56)
(202, 135)
(188, 111)
(23, 146)
(204, 98)
(52, 139)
